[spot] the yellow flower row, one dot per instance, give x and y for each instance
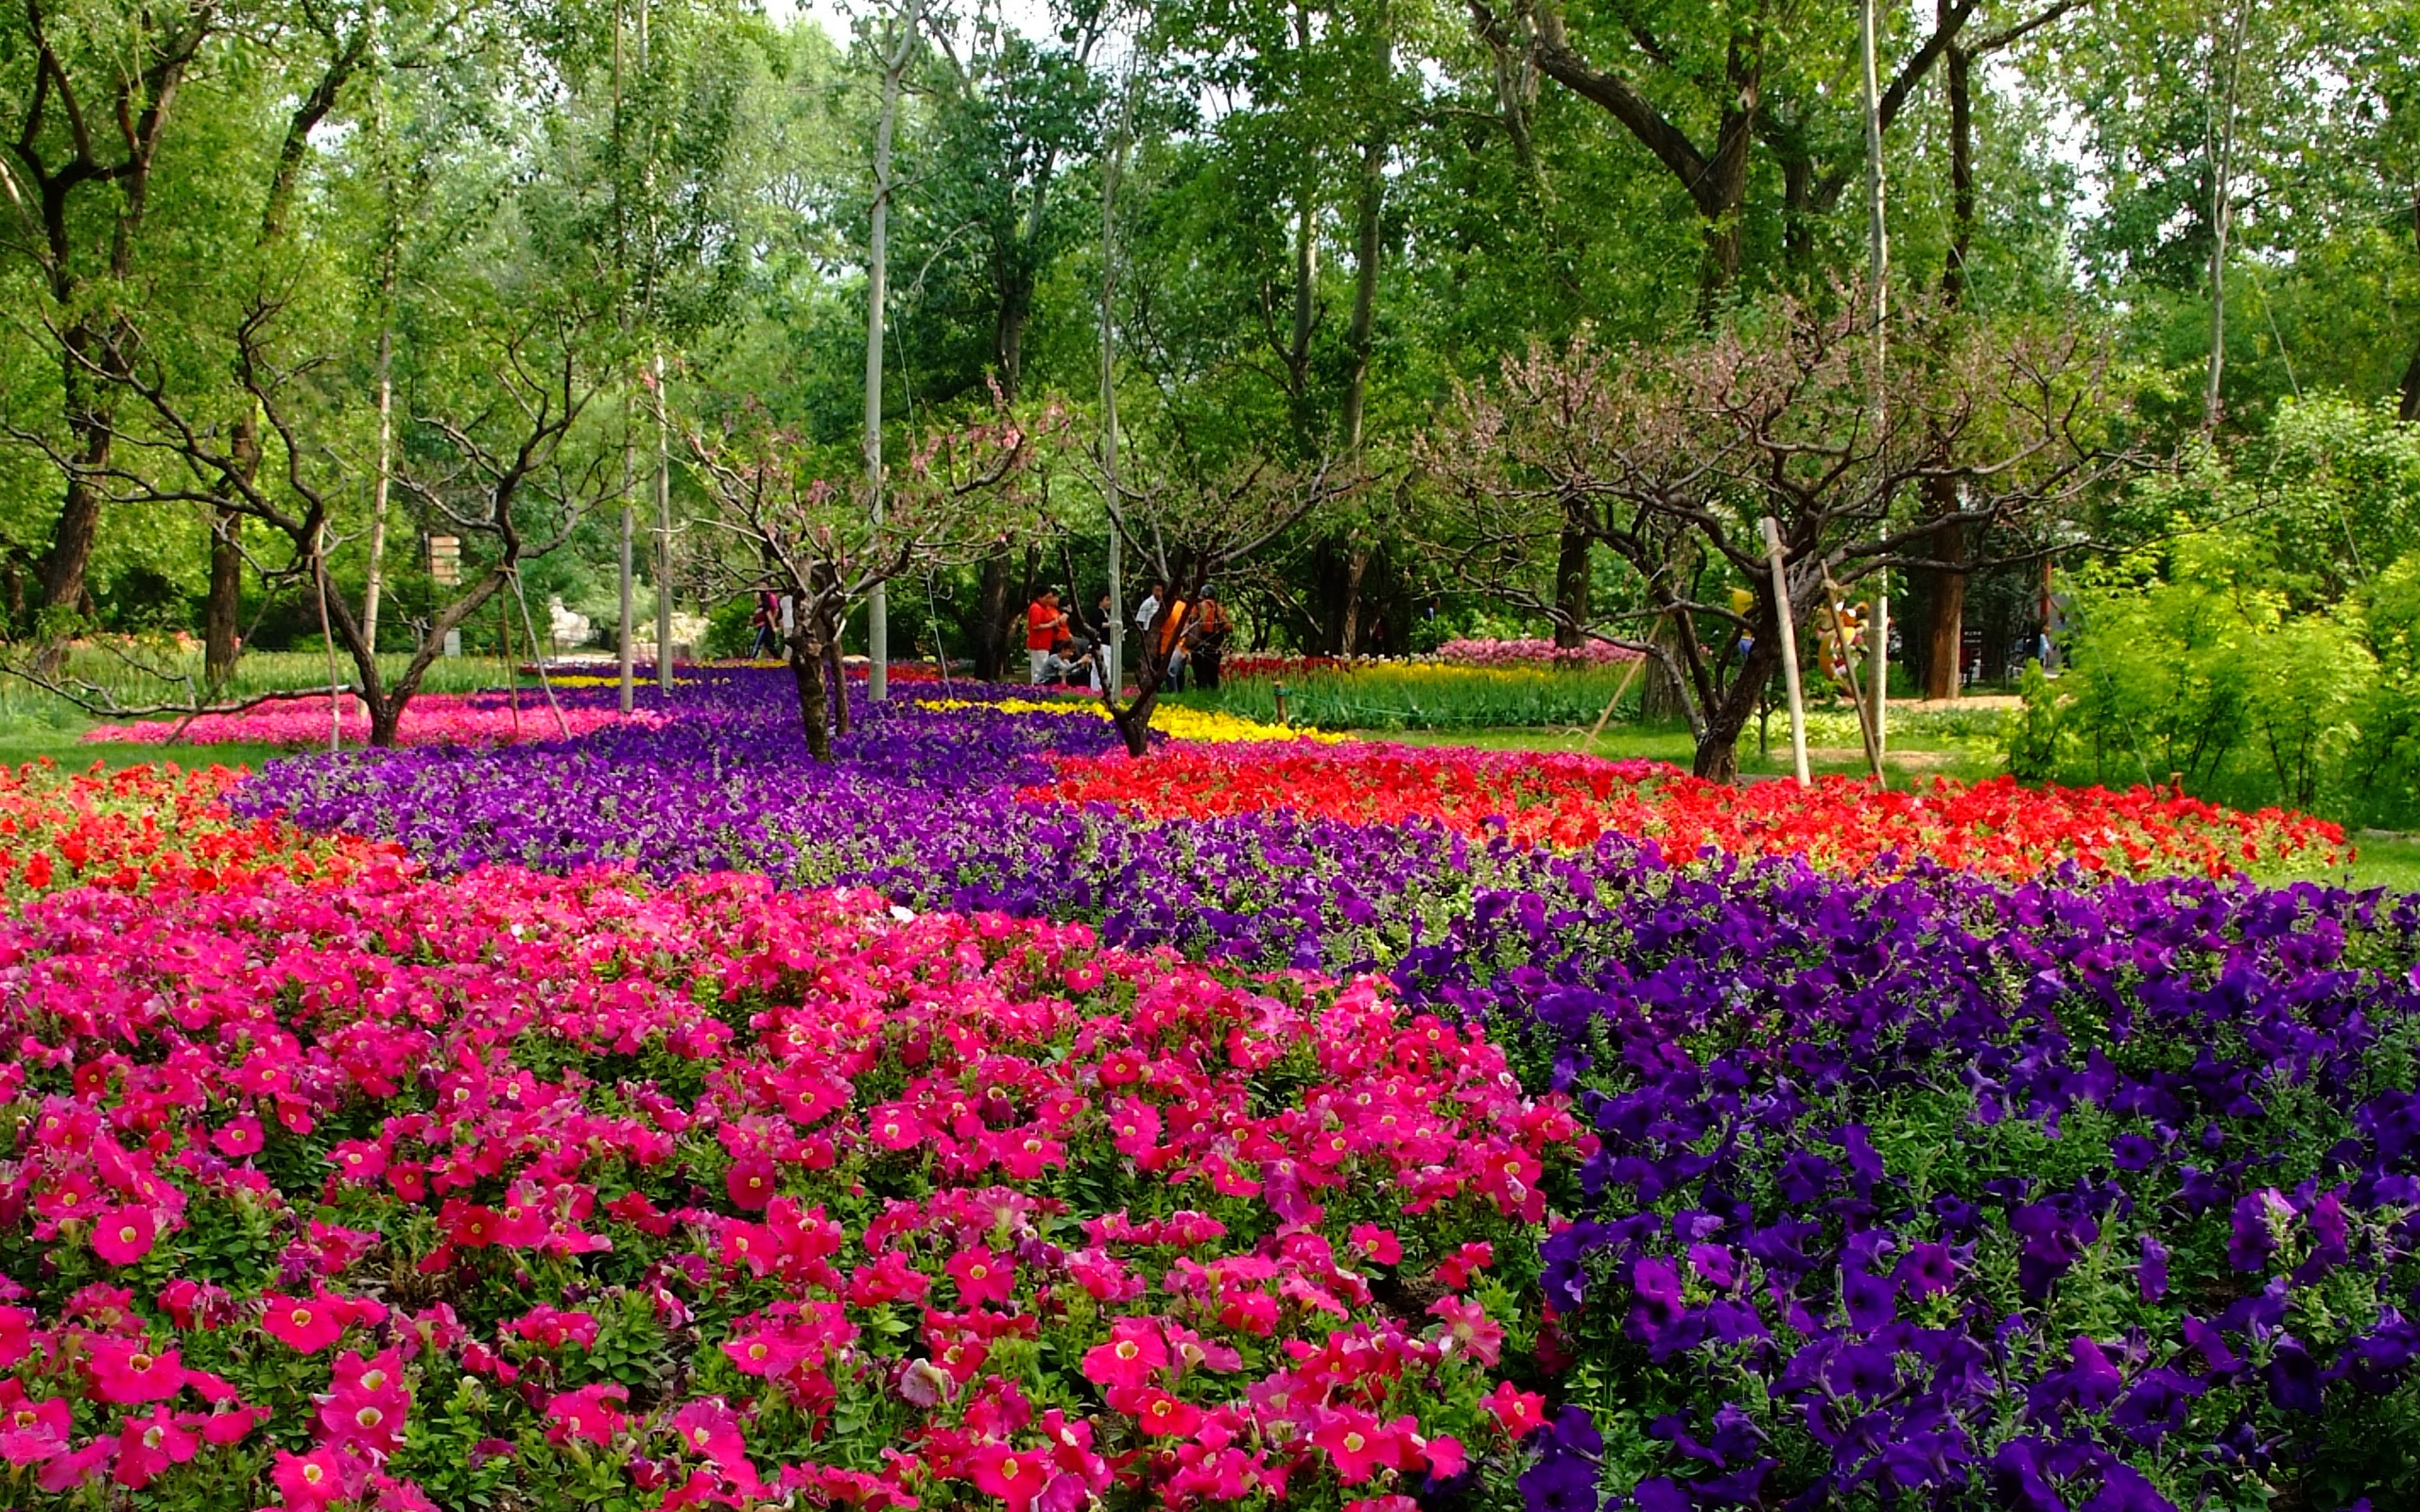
(1206, 725)
(582, 679)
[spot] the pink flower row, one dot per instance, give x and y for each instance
(1532, 651)
(429, 719)
(718, 1194)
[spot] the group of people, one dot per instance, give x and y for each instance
(1189, 638)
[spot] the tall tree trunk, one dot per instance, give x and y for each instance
(814, 705)
(1356, 566)
(1298, 349)
(1723, 203)
(1366, 250)
(1945, 660)
(1945, 587)
(1571, 576)
(223, 605)
(991, 613)
(2221, 215)
(2409, 410)
(93, 421)
(1958, 70)
(382, 481)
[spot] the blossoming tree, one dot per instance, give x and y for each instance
(1670, 457)
(787, 528)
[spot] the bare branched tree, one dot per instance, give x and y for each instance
(502, 477)
(787, 528)
(1668, 457)
(1187, 531)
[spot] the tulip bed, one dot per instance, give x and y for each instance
(1284, 1126)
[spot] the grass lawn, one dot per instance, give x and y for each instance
(1906, 759)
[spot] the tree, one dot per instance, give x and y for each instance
(1669, 456)
(94, 92)
(785, 526)
(1187, 530)
(499, 474)
(1701, 93)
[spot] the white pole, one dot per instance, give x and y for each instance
(662, 535)
(626, 624)
(878, 282)
(1111, 675)
(1878, 662)
(1789, 650)
(1877, 240)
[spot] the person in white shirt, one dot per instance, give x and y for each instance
(1147, 612)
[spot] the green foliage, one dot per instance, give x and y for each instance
(2035, 739)
(2207, 677)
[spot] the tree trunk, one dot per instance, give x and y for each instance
(2221, 215)
(991, 614)
(1717, 747)
(381, 483)
(1366, 228)
(2409, 410)
(386, 721)
(1571, 574)
(837, 681)
(222, 607)
(1298, 349)
(1944, 659)
(1959, 75)
(93, 423)
(814, 705)
(1133, 722)
(1357, 567)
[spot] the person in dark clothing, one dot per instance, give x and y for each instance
(1211, 628)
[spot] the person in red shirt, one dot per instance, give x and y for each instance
(1043, 622)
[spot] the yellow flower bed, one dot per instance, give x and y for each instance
(1206, 725)
(582, 679)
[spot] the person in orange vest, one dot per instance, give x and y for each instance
(1170, 643)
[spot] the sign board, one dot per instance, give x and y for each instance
(445, 559)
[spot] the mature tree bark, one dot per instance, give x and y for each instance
(1571, 576)
(93, 337)
(2221, 147)
(992, 616)
(2408, 410)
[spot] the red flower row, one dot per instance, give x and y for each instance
(1994, 827)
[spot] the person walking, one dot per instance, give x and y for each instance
(1043, 622)
(765, 619)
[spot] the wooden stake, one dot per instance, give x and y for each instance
(1847, 674)
(1878, 664)
(1789, 632)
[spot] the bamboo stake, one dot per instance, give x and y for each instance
(1789, 649)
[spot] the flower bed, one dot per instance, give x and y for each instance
(1924, 1187)
(429, 719)
(1995, 828)
(2118, 1212)
(1533, 651)
(151, 826)
(411, 1191)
